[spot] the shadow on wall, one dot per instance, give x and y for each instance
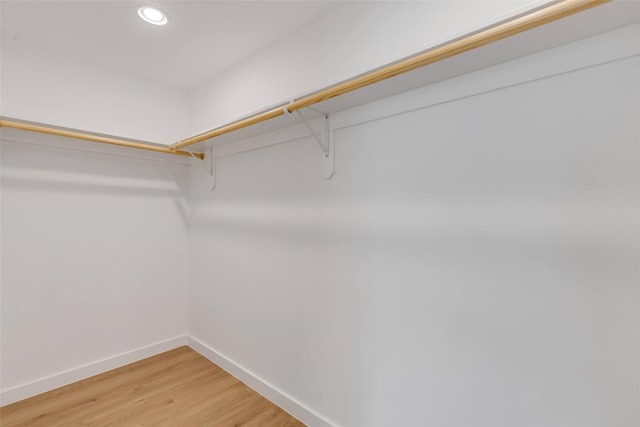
(34, 168)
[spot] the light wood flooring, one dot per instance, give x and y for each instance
(179, 388)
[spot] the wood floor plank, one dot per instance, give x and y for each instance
(176, 388)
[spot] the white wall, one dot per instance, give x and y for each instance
(45, 86)
(94, 261)
(353, 38)
(473, 261)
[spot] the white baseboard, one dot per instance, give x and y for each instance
(67, 377)
(270, 392)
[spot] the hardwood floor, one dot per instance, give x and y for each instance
(176, 388)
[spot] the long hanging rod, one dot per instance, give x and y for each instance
(95, 138)
(523, 23)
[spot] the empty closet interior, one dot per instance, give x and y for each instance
(375, 214)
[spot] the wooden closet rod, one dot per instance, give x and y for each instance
(95, 138)
(523, 23)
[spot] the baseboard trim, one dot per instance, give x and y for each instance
(269, 391)
(67, 377)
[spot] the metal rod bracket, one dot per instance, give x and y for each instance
(212, 170)
(328, 164)
(325, 142)
(322, 144)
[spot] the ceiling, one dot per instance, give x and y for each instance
(201, 39)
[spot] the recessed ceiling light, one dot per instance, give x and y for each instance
(152, 15)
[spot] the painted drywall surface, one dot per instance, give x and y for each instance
(353, 38)
(470, 263)
(45, 86)
(94, 257)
